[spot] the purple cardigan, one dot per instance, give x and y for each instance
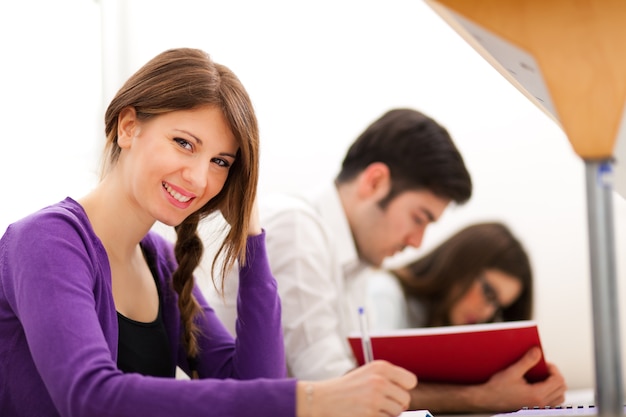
(58, 332)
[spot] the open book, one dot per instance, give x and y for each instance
(467, 354)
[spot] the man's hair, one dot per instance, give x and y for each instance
(419, 152)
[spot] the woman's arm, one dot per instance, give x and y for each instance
(258, 351)
(62, 350)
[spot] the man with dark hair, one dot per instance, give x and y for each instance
(396, 178)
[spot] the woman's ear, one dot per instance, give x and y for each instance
(126, 127)
(375, 180)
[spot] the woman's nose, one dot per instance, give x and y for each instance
(197, 174)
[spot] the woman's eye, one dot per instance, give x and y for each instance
(222, 162)
(183, 143)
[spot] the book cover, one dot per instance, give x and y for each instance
(467, 354)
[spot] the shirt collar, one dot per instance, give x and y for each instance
(328, 205)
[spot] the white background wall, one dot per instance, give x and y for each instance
(318, 72)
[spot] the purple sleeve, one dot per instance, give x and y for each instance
(258, 351)
(59, 292)
(258, 326)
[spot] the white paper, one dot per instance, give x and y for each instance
(416, 413)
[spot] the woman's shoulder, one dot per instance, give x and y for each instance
(157, 240)
(57, 237)
(54, 221)
(383, 281)
(160, 251)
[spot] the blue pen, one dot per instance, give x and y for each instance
(366, 342)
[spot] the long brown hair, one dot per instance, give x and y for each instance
(441, 277)
(183, 79)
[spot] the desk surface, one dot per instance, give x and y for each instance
(576, 397)
(584, 396)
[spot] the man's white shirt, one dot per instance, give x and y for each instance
(321, 282)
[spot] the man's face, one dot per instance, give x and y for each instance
(380, 233)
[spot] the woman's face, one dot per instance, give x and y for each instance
(174, 163)
(490, 292)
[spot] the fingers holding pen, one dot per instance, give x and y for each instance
(399, 376)
(396, 384)
(390, 385)
(390, 373)
(375, 389)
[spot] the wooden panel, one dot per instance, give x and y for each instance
(580, 48)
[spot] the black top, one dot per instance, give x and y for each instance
(144, 347)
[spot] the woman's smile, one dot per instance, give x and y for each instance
(178, 194)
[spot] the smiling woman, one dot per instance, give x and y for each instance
(192, 163)
(401, 53)
(97, 310)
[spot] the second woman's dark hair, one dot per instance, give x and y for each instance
(441, 277)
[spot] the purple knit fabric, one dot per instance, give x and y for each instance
(58, 332)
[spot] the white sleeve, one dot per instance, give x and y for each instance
(212, 234)
(302, 260)
(387, 302)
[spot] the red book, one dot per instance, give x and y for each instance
(467, 354)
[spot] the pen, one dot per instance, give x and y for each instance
(366, 342)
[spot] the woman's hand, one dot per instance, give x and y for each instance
(377, 389)
(254, 228)
(508, 389)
